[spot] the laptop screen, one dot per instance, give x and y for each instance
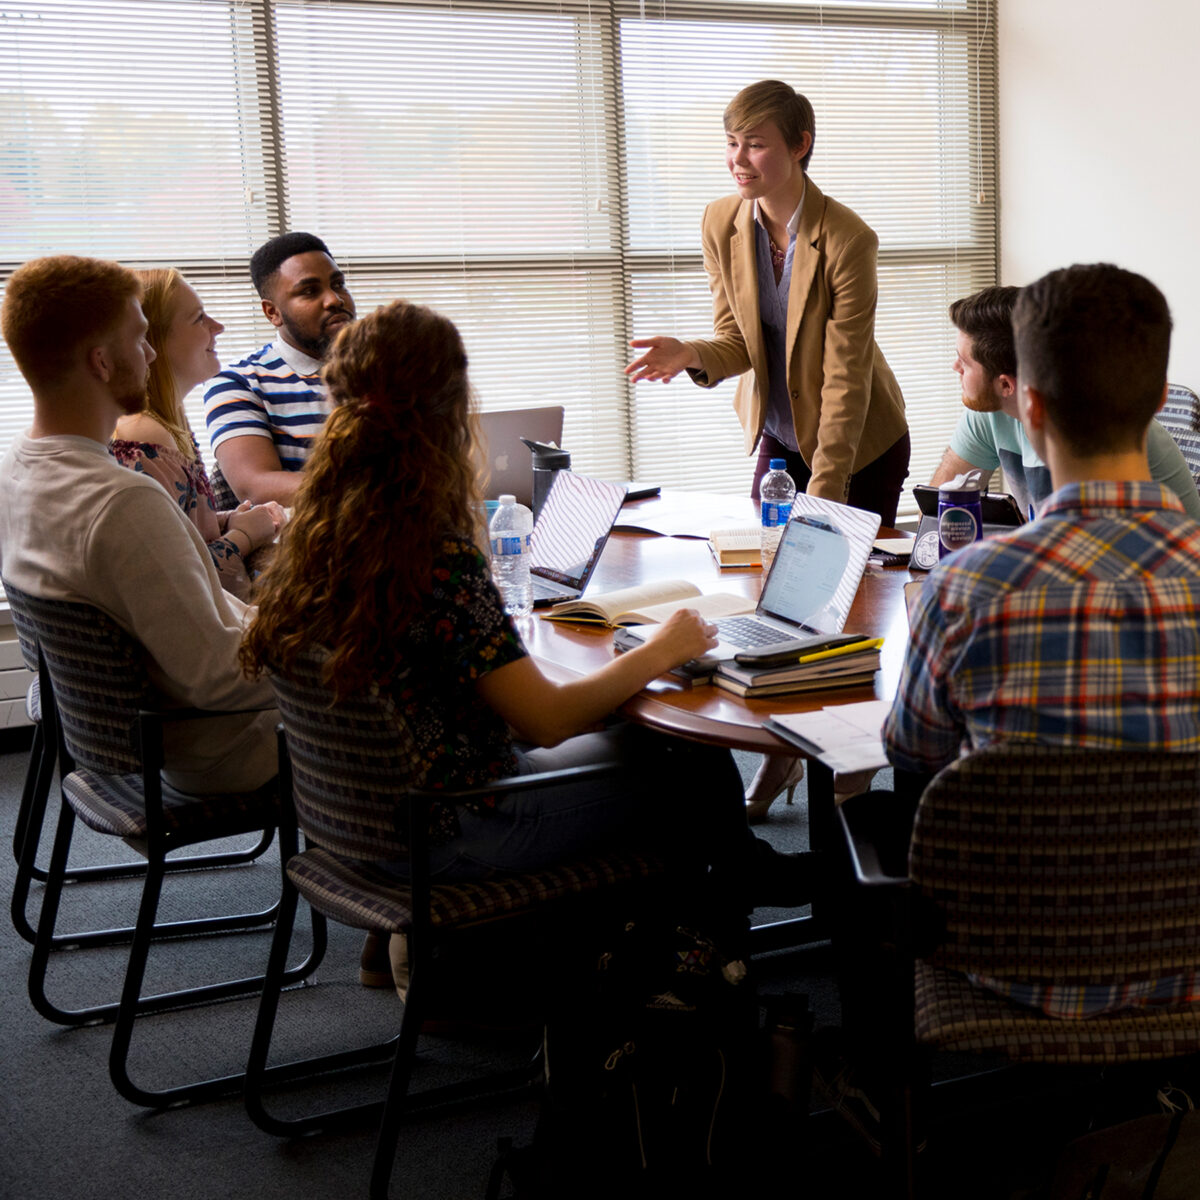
(507, 465)
(805, 586)
(573, 526)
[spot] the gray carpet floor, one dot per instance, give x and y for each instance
(65, 1131)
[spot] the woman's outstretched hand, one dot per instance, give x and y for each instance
(665, 357)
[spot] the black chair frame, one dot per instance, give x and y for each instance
(156, 845)
(30, 822)
(397, 1104)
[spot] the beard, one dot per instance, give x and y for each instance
(985, 403)
(128, 390)
(315, 346)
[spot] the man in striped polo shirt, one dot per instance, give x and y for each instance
(263, 412)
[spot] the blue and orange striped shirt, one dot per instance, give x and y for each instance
(277, 392)
(1082, 629)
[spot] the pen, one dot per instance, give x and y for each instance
(865, 644)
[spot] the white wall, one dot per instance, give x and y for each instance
(1099, 150)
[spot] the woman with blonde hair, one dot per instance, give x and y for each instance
(160, 442)
(380, 567)
(794, 287)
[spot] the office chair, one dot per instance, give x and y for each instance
(97, 704)
(1180, 416)
(1045, 865)
(349, 765)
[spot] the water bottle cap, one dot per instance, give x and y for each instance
(778, 464)
(508, 500)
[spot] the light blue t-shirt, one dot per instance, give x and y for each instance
(994, 439)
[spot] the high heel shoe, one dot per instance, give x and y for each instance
(777, 773)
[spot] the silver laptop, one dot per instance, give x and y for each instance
(569, 534)
(809, 591)
(509, 464)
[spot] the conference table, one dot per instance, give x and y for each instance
(707, 713)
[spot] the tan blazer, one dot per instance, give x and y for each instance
(846, 403)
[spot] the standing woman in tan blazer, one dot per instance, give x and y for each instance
(793, 279)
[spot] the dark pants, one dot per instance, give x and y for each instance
(683, 799)
(875, 488)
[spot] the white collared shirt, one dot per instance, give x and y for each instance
(794, 220)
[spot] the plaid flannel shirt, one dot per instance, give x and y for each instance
(1081, 628)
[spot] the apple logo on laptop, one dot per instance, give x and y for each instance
(501, 462)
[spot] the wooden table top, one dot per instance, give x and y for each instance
(707, 713)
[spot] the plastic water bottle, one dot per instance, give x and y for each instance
(776, 493)
(510, 530)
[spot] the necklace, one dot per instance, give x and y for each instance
(778, 257)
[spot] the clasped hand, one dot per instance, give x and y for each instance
(259, 522)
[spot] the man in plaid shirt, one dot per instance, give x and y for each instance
(1083, 627)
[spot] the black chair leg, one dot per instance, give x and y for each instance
(37, 757)
(47, 940)
(132, 1004)
(397, 1093)
(258, 1074)
(44, 941)
(28, 831)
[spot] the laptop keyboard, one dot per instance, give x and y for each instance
(746, 631)
(544, 589)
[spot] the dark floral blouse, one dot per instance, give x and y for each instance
(462, 635)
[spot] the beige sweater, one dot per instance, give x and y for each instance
(76, 526)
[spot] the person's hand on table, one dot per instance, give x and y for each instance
(665, 357)
(684, 635)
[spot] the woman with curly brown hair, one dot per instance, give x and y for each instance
(380, 567)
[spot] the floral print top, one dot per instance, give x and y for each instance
(462, 634)
(187, 480)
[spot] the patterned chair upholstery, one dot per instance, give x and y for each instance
(1180, 416)
(223, 495)
(96, 699)
(1057, 866)
(352, 767)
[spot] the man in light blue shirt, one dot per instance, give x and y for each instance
(989, 435)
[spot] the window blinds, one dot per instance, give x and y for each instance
(537, 171)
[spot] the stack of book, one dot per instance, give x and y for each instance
(842, 660)
(741, 547)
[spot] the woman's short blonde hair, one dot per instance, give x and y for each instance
(771, 100)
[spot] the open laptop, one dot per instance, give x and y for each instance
(509, 465)
(569, 534)
(810, 588)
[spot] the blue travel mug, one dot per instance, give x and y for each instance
(960, 518)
